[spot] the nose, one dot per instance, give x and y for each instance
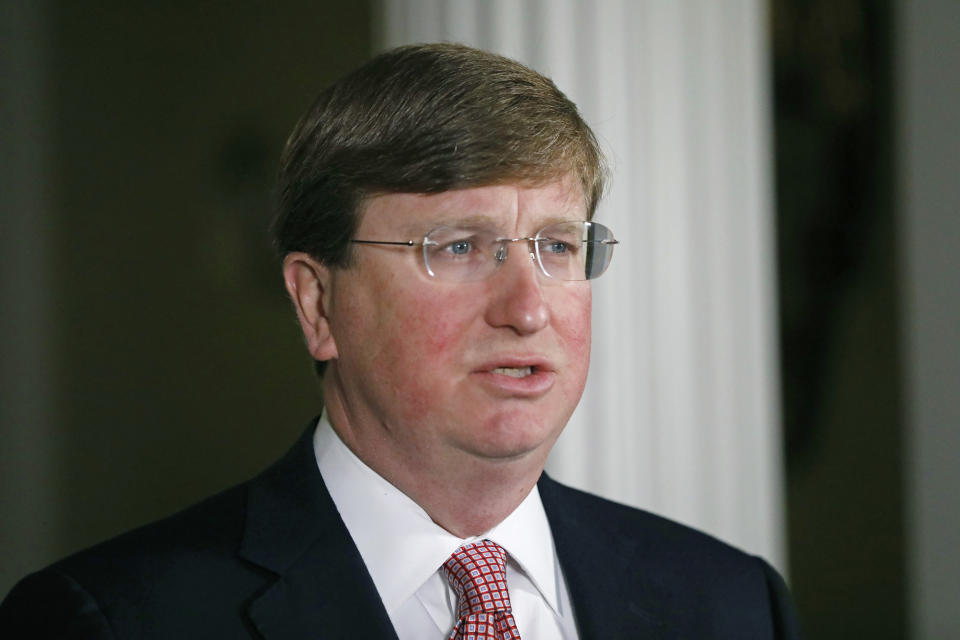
(517, 301)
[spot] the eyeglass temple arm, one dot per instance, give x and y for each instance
(406, 243)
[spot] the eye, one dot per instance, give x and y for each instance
(459, 247)
(557, 247)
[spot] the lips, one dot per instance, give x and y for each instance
(513, 372)
(515, 365)
(516, 375)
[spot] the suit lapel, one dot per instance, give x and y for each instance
(611, 598)
(322, 589)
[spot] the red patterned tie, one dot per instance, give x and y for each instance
(478, 573)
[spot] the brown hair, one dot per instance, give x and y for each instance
(424, 119)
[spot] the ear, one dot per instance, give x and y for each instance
(308, 284)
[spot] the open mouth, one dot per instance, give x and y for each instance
(517, 376)
(514, 372)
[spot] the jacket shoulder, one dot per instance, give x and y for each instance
(140, 575)
(614, 521)
(680, 578)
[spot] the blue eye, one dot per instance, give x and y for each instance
(557, 247)
(460, 247)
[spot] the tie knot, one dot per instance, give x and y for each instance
(478, 573)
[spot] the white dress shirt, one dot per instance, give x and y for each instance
(404, 550)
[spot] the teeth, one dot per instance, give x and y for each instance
(514, 372)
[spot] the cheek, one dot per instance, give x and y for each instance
(427, 342)
(433, 325)
(572, 324)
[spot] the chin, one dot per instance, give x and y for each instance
(512, 437)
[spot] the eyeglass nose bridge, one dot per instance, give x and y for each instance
(501, 252)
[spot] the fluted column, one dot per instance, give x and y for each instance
(680, 415)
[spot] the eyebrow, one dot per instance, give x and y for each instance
(479, 222)
(474, 221)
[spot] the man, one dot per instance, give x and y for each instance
(435, 222)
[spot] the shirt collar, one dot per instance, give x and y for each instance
(382, 519)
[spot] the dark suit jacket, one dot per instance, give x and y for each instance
(272, 559)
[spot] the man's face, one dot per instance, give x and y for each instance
(438, 370)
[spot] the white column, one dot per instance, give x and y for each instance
(929, 163)
(680, 415)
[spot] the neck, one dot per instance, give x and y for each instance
(466, 494)
(473, 500)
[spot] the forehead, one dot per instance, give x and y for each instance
(507, 206)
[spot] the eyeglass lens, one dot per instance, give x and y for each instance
(574, 250)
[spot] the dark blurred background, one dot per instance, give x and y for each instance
(839, 326)
(166, 340)
(172, 363)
